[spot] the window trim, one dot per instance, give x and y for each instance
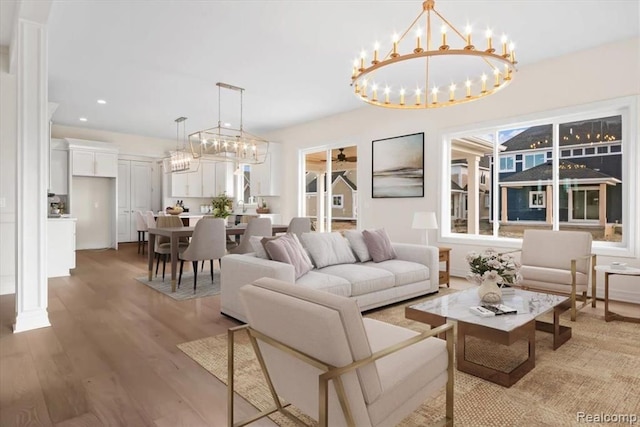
(542, 195)
(513, 162)
(627, 106)
(537, 153)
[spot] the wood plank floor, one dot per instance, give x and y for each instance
(110, 357)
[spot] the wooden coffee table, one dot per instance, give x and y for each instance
(505, 329)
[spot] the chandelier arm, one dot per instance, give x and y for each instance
(449, 24)
(404, 34)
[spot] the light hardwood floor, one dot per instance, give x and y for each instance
(110, 357)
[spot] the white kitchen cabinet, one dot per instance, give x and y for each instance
(266, 177)
(134, 194)
(61, 246)
(187, 184)
(217, 178)
(59, 172)
(94, 163)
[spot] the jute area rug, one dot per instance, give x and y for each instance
(204, 287)
(596, 372)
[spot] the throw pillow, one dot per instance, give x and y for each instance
(327, 249)
(358, 245)
(379, 245)
(288, 249)
(258, 247)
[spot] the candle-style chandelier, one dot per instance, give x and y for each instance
(418, 78)
(224, 143)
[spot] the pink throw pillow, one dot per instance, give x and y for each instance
(378, 244)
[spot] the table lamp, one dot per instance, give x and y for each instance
(425, 221)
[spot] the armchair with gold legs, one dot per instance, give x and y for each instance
(318, 354)
(559, 262)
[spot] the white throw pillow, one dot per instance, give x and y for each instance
(258, 248)
(358, 245)
(327, 249)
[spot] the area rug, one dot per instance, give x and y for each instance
(594, 373)
(204, 289)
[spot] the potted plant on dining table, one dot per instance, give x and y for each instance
(222, 207)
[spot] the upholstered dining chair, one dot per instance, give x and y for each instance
(559, 262)
(207, 243)
(150, 219)
(163, 244)
(255, 227)
(299, 225)
(318, 353)
(141, 228)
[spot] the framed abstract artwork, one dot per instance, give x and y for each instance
(398, 166)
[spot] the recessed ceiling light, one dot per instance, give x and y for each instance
(101, 101)
(83, 119)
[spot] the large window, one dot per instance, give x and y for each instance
(550, 174)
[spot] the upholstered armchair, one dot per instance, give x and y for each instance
(559, 262)
(318, 354)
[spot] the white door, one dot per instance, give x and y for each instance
(124, 198)
(140, 192)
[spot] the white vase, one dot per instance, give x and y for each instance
(489, 292)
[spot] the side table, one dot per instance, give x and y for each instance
(444, 256)
(608, 271)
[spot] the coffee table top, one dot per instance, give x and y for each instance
(456, 307)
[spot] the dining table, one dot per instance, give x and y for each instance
(175, 233)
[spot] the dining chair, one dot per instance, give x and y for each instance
(142, 228)
(255, 227)
(299, 225)
(150, 218)
(163, 244)
(207, 243)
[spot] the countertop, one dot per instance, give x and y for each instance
(62, 218)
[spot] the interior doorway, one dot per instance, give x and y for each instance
(330, 187)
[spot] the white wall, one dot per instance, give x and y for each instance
(606, 72)
(8, 135)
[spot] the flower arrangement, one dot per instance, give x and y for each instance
(222, 206)
(492, 266)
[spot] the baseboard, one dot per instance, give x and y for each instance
(34, 319)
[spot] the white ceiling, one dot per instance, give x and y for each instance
(156, 60)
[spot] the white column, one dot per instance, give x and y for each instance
(473, 195)
(30, 46)
(320, 213)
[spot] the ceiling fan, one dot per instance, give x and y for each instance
(341, 157)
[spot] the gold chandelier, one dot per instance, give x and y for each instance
(416, 79)
(224, 143)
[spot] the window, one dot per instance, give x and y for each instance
(537, 199)
(586, 183)
(532, 160)
(507, 164)
(337, 201)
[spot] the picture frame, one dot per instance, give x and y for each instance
(398, 166)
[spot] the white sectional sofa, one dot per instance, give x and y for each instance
(412, 273)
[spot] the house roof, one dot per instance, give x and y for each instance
(568, 170)
(582, 132)
(312, 186)
(455, 186)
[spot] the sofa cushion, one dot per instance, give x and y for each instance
(405, 272)
(325, 282)
(555, 280)
(358, 245)
(287, 248)
(327, 249)
(378, 244)
(363, 279)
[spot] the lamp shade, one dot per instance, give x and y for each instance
(424, 221)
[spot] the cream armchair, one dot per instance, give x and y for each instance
(559, 262)
(318, 354)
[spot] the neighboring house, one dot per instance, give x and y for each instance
(344, 195)
(590, 173)
(460, 184)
